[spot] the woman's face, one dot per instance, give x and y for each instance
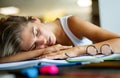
(36, 36)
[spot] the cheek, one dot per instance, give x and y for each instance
(46, 33)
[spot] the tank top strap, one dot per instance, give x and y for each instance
(72, 37)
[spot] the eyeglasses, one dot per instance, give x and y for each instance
(105, 49)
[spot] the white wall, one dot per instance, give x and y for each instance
(110, 15)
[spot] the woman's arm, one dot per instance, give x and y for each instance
(33, 54)
(81, 28)
(96, 34)
(21, 56)
(80, 50)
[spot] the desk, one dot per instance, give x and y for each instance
(110, 69)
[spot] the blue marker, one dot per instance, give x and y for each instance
(30, 72)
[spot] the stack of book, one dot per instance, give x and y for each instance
(81, 60)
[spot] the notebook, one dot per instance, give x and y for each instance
(34, 63)
(81, 60)
(97, 58)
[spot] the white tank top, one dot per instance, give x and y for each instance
(76, 41)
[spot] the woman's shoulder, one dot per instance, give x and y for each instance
(73, 18)
(70, 17)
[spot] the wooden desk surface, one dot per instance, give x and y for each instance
(107, 64)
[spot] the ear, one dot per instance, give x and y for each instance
(36, 19)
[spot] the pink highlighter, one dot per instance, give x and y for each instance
(51, 70)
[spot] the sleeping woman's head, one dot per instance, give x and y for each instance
(10, 28)
(19, 33)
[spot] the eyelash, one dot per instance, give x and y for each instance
(38, 32)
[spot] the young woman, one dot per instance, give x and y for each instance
(24, 38)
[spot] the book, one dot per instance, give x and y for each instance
(81, 60)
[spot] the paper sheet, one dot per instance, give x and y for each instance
(97, 58)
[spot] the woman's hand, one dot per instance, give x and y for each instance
(55, 48)
(63, 54)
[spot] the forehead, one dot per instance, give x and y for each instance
(26, 36)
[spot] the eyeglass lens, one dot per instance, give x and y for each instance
(106, 49)
(92, 50)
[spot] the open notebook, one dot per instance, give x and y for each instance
(97, 58)
(70, 61)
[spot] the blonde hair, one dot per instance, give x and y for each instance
(10, 29)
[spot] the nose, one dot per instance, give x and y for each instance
(40, 43)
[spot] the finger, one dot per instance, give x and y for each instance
(66, 47)
(56, 48)
(56, 56)
(59, 47)
(50, 56)
(53, 48)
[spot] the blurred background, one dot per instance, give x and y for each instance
(104, 13)
(49, 10)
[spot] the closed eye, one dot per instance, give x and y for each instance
(36, 31)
